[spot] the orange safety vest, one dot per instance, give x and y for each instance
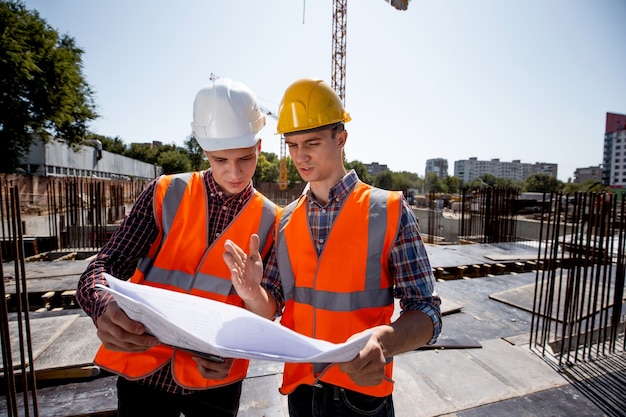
(181, 260)
(344, 290)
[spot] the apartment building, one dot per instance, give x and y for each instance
(614, 155)
(469, 169)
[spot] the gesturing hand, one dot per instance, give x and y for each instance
(246, 270)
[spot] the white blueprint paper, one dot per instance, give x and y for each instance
(207, 326)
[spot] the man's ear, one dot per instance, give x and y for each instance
(342, 138)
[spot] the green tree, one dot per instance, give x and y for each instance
(360, 169)
(197, 158)
(174, 161)
(489, 180)
(142, 152)
(542, 183)
(572, 187)
(43, 93)
(113, 145)
(432, 183)
(452, 184)
(404, 181)
(293, 177)
(384, 180)
(267, 168)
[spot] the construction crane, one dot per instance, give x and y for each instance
(340, 9)
(338, 79)
(282, 168)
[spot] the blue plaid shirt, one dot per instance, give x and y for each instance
(408, 264)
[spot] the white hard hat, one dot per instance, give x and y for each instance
(226, 115)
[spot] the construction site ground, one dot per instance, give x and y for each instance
(482, 364)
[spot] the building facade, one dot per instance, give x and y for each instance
(614, 155)
(437, 166)
(469, 169)
(376, 168)
(56, 158)
(582, 175)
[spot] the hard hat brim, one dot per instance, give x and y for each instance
(213, 144)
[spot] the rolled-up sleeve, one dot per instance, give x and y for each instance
(414, 281)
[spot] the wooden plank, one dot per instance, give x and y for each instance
(70, 372)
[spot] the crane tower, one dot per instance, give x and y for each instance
(340, 9)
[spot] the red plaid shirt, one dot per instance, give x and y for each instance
(130, 243)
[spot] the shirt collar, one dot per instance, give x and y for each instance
(338, 191)
(215, 190)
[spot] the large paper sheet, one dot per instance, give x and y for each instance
(206, 326)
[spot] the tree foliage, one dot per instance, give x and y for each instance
(361, 170)
(43, 93)
(542, 183)
(173, 161)
(267, 168)
(197, 158)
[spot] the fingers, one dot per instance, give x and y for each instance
(214, 370)
(119, 333)
(368, 368)
(118, 318)
(237, 257)
(254, 247)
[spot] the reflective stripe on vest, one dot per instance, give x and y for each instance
(347, 288)
(198, 280)
(181, 260)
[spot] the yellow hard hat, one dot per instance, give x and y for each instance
(308, 104)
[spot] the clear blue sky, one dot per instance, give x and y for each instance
(509, 79)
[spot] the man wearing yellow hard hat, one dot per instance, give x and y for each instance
(343, 251)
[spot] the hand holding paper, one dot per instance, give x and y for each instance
(211, 327)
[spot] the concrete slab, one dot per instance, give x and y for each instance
(457, 255)
(44, 331)
(430, 382)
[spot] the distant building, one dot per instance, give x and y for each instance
(376, 168)
(582, 175)
(437, 166)
(56, 158)
(614, 158)
(469, 169)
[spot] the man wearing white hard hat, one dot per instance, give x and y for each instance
(173, 238)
